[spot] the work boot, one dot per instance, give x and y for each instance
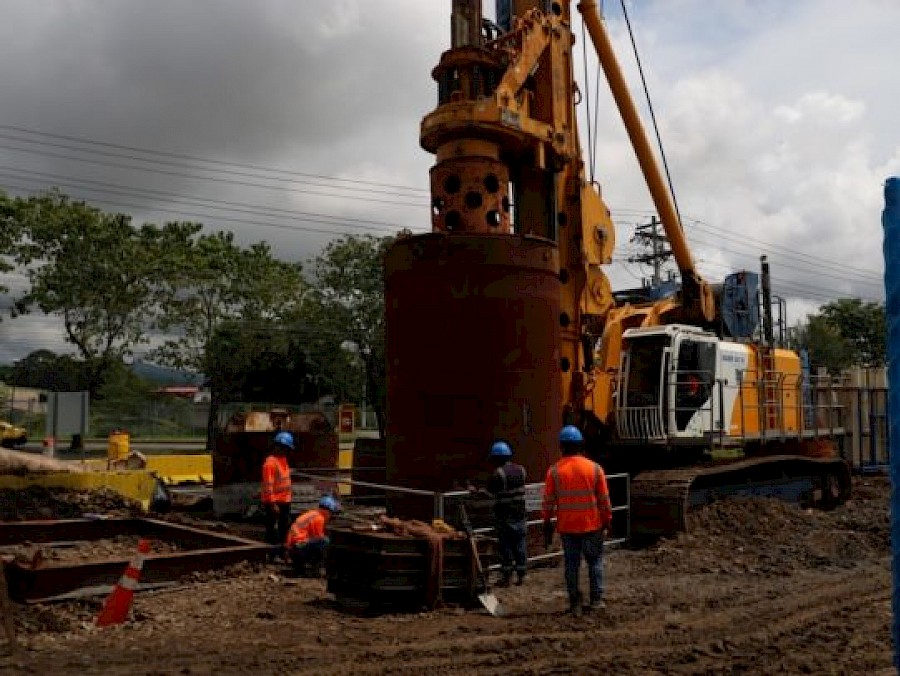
(595, 606)
(575, 606)
(504, 580)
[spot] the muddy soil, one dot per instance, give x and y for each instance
(756, 587)
(121, 547)
(36, 502)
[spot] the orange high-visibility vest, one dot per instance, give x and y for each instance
(575, 492)
(276, 480)
(308, 525)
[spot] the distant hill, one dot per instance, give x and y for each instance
(164, 375)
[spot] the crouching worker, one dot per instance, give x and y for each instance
(306, 541)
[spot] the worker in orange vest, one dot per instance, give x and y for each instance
(306, 541)
(276, 492)
(575, 492)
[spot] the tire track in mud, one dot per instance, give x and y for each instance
(758, 618)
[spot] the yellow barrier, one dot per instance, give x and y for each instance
(177, 469)
(171, 469)
(137, 485)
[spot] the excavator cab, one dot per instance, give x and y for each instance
(670, 391)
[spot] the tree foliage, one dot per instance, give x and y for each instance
(350, 279)
(211, 283)
(259, 365)
(211, 280)
(824, 343)
(201, 301)
(861, 323)
(10, 232)
(45, 370)
(92, 269)
(846, 332)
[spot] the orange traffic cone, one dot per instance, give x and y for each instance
(115, 610)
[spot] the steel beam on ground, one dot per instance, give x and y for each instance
(203, 551)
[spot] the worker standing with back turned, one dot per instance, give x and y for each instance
(575, 492)
(507, 487)
(276, 492)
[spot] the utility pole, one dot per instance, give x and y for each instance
(650, 237)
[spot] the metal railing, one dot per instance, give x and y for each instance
(642, 422)
(816, 411)
(439, 502)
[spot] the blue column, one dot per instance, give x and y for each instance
(504, 15)
(891, 222)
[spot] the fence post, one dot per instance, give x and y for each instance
(891, 223)
(439, 506)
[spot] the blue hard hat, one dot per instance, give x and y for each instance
(329, 503)
(285, 439)
(570, 435)
(500, 449)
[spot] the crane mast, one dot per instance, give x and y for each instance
(507, 111)
(501, 322)
(508, 160)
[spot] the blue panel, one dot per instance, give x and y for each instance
(504, 15)
(891, 222)
(740, 307)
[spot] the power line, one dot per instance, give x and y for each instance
(785, 251)
(200, 216)
(865, 277)
(211, 218)
(719, 232)
(217, 179)
(238, 207)
(189, 158)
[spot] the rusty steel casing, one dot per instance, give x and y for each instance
(473, 356)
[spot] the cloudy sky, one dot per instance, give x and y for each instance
(295, 121)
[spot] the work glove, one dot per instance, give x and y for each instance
(548, 534)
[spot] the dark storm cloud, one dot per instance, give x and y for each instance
(210, 77)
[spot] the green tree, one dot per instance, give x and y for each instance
(350, 280)
(10, 232)
(258, 364)
(844, 333)
(93, 269)
(826, 346)
(211, 283)
(863, 325)
(45, 370)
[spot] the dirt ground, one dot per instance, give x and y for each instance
(755, 587)
(121, 547)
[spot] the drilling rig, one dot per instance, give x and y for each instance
(502, 323)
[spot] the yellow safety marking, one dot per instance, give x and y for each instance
(137, 485)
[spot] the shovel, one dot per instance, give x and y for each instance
(490, 602)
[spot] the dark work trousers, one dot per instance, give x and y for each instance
(278, 521)
(512, 547)
(587, 546)
(308, 556)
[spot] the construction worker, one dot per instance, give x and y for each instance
(507, 487)
(575, 492)
(306, 541)
(276, 492)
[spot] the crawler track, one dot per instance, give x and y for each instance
(661, 500)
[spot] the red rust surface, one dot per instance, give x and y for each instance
(238, 454)
(196, 550)
(472, 356)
